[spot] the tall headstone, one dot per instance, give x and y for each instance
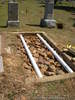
(13, 13)
(48, 20)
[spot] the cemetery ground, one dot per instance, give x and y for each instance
(12, 83)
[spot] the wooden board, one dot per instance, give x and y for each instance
(72, 51)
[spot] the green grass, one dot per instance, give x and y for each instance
(31, 20)
(65, 3)
(3, 14)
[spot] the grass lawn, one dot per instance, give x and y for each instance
(30, 14)
(30, 21)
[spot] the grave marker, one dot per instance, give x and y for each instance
(13, 14)
(48, 20)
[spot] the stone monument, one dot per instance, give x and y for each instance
(13, 13)
(48, 20)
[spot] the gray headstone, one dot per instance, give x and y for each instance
(13, 14)
(48, 20)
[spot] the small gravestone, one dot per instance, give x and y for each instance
(48, 20)
(13, 13)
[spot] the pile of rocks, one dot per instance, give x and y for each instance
(29, 71)
(43, 57)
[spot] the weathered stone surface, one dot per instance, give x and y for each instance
(40, 60)
(48, 23)
(47, 63)
(13, 14)
(49, 73)
(51, 68)
(48, 20)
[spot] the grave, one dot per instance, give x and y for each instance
(48, 20)
(41, 56)
(50, 68)
(13, 14)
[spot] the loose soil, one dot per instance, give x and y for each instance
(15, 82)
(43, 57)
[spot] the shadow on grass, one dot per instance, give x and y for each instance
(67, 8)
(35, 25)
(3, 26)
(73, 19)
(42, 5)
(68, 53)
(41, 1)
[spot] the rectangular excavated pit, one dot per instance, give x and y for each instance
(19, 65)
(49, 66)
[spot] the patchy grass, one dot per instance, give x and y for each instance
(30, 14)
(3, 14)
(65, 3)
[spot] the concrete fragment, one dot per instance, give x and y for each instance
(49, 73)
(1, 64)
